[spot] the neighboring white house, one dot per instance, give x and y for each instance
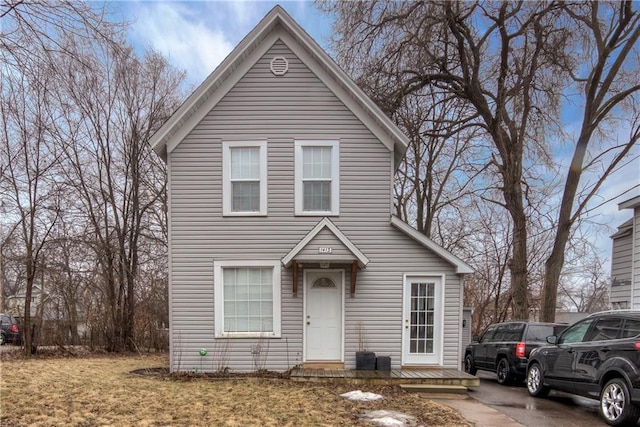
(16, 303)
(625, 260)
(282, 246)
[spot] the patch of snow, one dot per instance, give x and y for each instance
(363, 396)
(389, 418)
(387, 422)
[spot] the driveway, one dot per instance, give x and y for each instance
(557, 410)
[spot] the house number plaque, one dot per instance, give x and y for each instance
(324, 250)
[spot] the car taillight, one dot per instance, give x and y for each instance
(14, 328)
(638, 345)
(520, 347)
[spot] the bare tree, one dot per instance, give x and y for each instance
(28, 180)
(584, 284)
(488, 247)
(503, 60)
(30, 37)
(99, 105)
(67, 273)
(436, 172)
(117, 103)
(32, 31)
(608, 81)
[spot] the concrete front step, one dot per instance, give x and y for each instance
(435, 388)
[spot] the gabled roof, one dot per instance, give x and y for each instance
(624, 229)
(325, 223)
(629, 204)
(246, 54)
(461, 266)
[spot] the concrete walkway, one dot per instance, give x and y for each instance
(477, 413)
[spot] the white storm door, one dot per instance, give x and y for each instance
(422, 329)
(323, 317)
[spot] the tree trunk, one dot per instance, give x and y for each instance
(518, 267)
(26, 319)
(513, 197)
(553, 265)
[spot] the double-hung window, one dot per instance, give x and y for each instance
(317, 178)
(244, 183)
(247, 298)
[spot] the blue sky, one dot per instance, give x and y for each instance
(197, 35)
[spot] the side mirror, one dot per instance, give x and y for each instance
(552, 339)
(476, 338)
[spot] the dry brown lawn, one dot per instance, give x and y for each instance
(101, 390)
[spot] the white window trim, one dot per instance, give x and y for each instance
(226, 177)
(335, 177)
(218, 286)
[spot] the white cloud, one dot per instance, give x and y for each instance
(197, 35)
(245, 13)
(189, 39)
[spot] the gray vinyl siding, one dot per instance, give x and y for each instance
(621, 260)
(635, 262)
(467, 316)
(280, 110)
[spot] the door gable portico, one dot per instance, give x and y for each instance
(312, 247)
(325, 245)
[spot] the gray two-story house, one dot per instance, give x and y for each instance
(625, 260)
(282, 246)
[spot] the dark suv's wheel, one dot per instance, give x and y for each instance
(504, 372)
(535, 381)
(3, 339)
(615, 404)
(469, 366)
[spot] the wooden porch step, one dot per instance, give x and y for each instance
(323, 365)
(434, 377)
(435, 388)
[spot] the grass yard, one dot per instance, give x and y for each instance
(101, 390)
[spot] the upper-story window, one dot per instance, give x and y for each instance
(244, 182)
(317, 171)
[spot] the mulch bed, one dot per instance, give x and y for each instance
(163, 373)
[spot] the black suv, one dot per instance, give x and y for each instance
(9, 330)
(598, 358)
(503, 348)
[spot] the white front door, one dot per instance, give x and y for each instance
(422, 329)
(323, 317)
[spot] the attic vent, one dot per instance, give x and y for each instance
(279, 66)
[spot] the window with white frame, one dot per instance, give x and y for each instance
(244, 183)
(317, 178)
(247, 298)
